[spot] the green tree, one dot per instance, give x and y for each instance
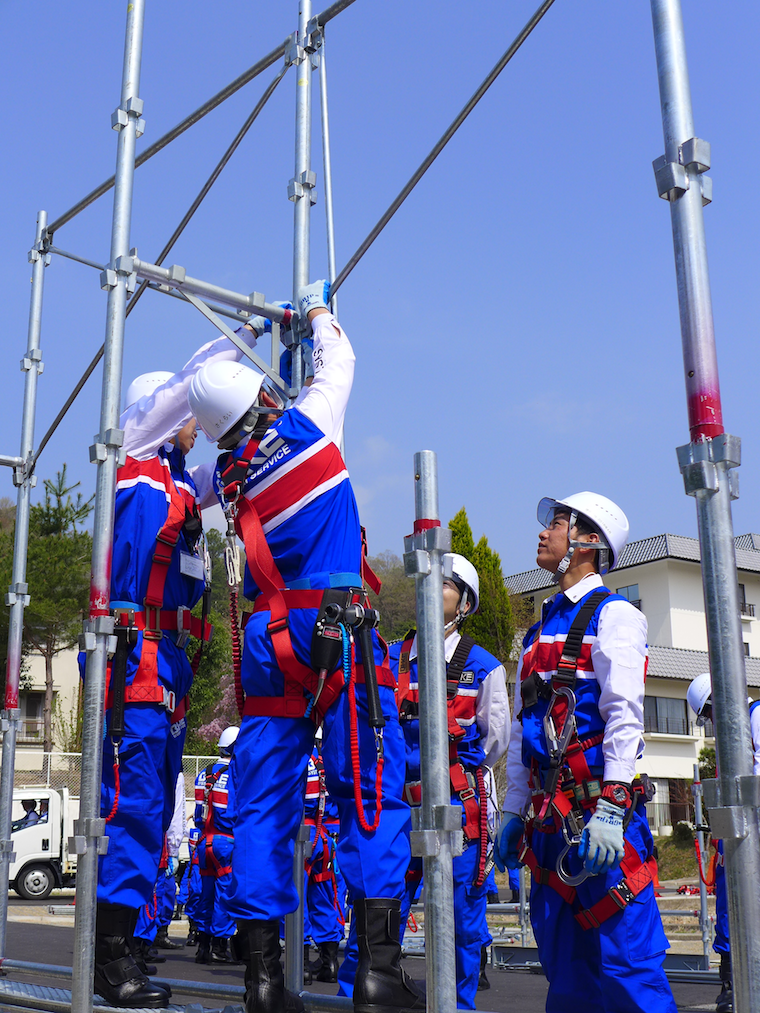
(395, 603)
(58, 574)
(493, 627)
(707, 763)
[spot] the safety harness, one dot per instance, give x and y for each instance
(568, 788)
(467, 786)
(213, 866)
(324, 871)
(278, 601)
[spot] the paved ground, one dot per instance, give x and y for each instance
(511, 991)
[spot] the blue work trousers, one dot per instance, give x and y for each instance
(150, 758)
(323, 912)
(722, 942)
(212, 909)
(194, 887)
(470, 928)
(616, 968)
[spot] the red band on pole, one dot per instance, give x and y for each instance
(423, 524)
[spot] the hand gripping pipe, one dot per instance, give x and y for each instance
(437, 833)
(17, 596)
(734, 799)
(89, 830)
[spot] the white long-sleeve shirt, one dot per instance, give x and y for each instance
(491, 705)
(176, 831)
(155, 419)
(618, 654)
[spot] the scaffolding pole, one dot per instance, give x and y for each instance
(437, 833)
(706, 462)
(89, 830)
(327, 167)
(18, 597)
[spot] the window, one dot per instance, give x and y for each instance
(631, 592)
(746, 649)
(666, 716)
(745, 607)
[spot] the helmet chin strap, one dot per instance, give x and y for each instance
(565, 561)
(460, 617)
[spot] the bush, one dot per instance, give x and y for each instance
(683, 835)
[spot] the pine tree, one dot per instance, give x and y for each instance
(493, 626)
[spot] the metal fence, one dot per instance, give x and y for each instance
(36, 768)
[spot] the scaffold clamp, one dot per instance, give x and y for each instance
(91, 827)
(698, 463)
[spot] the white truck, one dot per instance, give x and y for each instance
(42, 824)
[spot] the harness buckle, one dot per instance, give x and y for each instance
(170, 700)
(121, 614)
(152, 629)
(466, 794)
(278, 625)
(183, 626)
(622, 894)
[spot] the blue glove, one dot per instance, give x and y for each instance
(313, 297)
(602, 846)
(171, 867)
(261, 325)
(505, 846)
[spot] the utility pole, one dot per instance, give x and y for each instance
(90, 839)
(706, 464)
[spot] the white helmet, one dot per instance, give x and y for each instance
(228, 400)
(144, 384)
(604, 516)
(466, 574)
(699, 695)
(227, 740)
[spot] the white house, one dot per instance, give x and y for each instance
(661, 575)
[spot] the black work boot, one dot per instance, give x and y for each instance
(203, 953)
(725, 1001)
(220, 954)
(381, 985)
(265, 990)
(306, 964)
(327, 970)
(192, 934)
(163, 942)
(178, 912)
(139, 949)
(483, 982)
(118, 979)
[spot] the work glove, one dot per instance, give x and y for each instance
(313, 297)
(507, 840)
(171, 867)
(260, 324)
(602, 846)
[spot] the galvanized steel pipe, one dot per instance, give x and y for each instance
(106, 452)
(706, 463)
(17, 592)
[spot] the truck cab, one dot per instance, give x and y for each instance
(41, 826)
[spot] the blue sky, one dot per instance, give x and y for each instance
(519, 314)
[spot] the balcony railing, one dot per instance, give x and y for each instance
(30, 730)
(746, 609)
(668, 726)
(637, 603)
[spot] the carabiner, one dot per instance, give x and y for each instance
(557, 744)
(566, 877)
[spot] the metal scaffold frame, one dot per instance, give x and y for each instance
(707, 464)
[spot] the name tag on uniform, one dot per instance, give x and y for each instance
(467, 678)
(191, 566)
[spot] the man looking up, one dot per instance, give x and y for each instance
(577, 732)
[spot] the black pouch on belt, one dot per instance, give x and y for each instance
(327, 637)
(126, 637)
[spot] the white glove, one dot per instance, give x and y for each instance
(313, 297)
(602, 846)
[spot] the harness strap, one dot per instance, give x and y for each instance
(637, 875)
(404, 667)
(468, 796)
(369, 577)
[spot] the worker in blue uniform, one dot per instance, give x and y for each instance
(479, 727)
(158, 574)
(577, 732)
(699, 696)
(324, 920)
(285, 486)
(213, 788)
